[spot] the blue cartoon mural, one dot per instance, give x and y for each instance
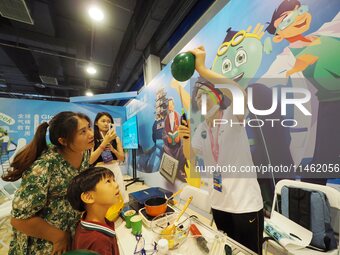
(261, 46)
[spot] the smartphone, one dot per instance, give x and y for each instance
(112, 127)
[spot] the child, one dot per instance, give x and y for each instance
(94, 191)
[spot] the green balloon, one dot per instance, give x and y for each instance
(183, 66)
(80, 252)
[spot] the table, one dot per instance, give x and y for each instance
(216, 241)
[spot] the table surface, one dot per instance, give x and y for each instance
(216, 241)
(276, 248)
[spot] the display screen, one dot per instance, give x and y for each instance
(130, 134)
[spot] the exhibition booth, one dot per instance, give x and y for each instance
(279, 163)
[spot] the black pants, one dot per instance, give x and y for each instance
(245, 228)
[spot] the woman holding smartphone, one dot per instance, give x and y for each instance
(108, 149)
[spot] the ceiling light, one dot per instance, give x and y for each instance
(40, 85)
(91, 69)
(89, 93)
(96, 13)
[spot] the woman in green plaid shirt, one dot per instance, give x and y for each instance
(43, 220)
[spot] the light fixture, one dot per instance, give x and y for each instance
(89, 93)
(96, 13)
(90, 69)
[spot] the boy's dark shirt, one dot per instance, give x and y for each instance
(96, 237)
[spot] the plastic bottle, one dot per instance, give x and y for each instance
(163, 247)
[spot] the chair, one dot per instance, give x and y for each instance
(200, 202)
(333, 197)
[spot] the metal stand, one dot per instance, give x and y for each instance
(134, 178)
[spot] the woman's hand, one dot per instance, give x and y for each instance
(110, 135)
(61, 243)
(199, 53)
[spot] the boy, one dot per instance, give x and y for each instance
(94, 191)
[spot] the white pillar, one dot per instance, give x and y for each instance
(151, 67)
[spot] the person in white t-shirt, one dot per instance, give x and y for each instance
(236, 201)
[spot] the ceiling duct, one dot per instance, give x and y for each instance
(48, 80)
(16, 10)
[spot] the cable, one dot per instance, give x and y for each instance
(268, 158)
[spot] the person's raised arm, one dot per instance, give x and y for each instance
(95, 153)
(213, 77)
(119, 152)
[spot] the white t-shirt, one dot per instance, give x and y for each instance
(238, 195)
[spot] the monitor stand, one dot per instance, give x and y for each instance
(134, 178)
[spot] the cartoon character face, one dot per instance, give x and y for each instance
(240, 58)
(292, 23)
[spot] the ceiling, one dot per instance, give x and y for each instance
(47, 60)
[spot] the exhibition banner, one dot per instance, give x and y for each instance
(285, 56)
(20, 117)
